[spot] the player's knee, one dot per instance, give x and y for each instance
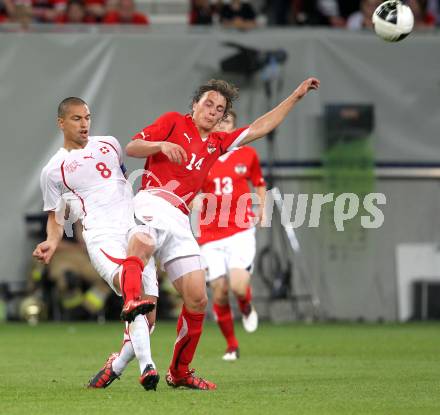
(198, 302)
(141, 245)
(221, 300)
(149, 246)
(202, 302)
(220, 297)
(238, 287)
(237, 290)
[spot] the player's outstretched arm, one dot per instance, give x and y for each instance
(272, 119)
(45, 250)
(141, 149)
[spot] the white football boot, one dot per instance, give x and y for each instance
(231, 354)
(250, 322)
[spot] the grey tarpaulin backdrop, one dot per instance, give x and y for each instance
(129, 79)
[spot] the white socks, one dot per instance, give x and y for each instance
(136, 343)
(126, 355)
(139, 333)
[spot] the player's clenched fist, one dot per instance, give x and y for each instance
(44, 251)
(174, 152)
(306, 86)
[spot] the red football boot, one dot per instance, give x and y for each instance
(132, 308)
(106, 375)
(189, 380)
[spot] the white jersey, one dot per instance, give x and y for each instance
(93, 177)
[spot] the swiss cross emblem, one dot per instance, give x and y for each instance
(104, 150)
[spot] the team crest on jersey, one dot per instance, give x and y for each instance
(72, 166)
(211, 146)
(240, 169)
(104, 150)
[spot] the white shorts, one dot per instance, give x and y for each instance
(168, 226)
(115, 244)
(236, 251)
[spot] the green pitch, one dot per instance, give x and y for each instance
(290, 369)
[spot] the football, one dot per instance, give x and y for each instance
(393, 21)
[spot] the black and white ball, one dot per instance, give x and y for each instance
(393, 21)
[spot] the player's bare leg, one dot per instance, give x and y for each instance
(240, 286)
(223, 313)
(192, 288)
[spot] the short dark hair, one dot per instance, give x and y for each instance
(66, 102)
(229, 91)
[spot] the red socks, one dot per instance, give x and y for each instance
(131, 275)
(189, 329)
(244, 303)
(131, 278)
(226, 324)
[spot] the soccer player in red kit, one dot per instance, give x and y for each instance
(180, 150)
(227, 234)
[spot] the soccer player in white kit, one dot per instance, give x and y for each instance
(89, 170)
(180, 149)
(227, 234)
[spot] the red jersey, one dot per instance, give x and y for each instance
(229, 180)
(179, 184)
(113, 17)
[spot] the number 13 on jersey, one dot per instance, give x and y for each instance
(223, 186)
